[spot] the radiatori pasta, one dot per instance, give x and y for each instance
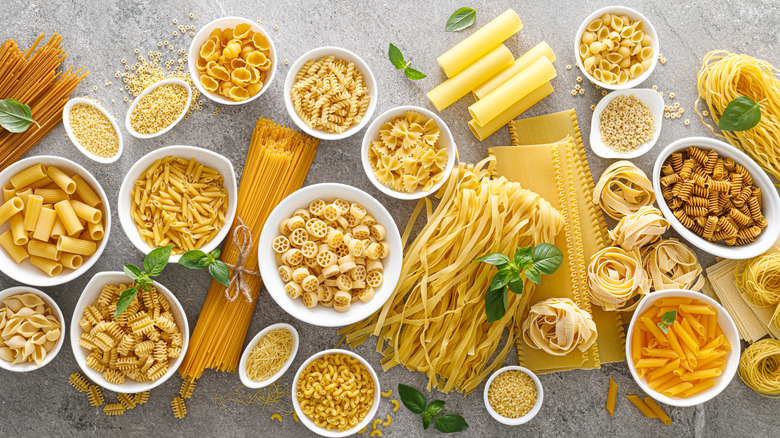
(615, 49)
(29, 329)
(179, 202)
(331, 254)
(234, 62)
(407, 155)
(55, 219)
(335, 391)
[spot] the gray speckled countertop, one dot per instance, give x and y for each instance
(99, 33)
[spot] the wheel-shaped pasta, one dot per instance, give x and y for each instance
(335, 238)
(293, 289)
(357, 210)
(298, 237)
(285, 273)
(311, 262)
(361, 232)
(281, 244)
(326, 258)
(347, 267)
(374, 251)
(316, 206)
(374, 265)
(293, 256)
(283, 228)
(352, 221)
(342, 205)
(359, 273)
(309, 249)
(385, 248)
(342, 250)
(310, 283)
(344, 282)
(378, 232)
(374, 279)
(309, 299)
(366, 294)
(296, 222)
(316, 228)
(331, 213)
(331, 271)
(324, 294)
(302, 212)
(299, 274)
(343, 223)
(342, 298)
(343, 309)
(368, 220)
(358, 284)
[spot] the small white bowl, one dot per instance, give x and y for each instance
(649, 97)
(770, 200)
(726, 324)
(372, 133)
(29, 274)
(633, 14)
(74, 140)
(90, 295)
(148, 90)
(334, 433)
(339, 53)
(319, 315)
(203, 35)
(31, 366)
(249, 383)
(205, 156)
(525, 418)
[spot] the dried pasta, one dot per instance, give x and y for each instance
(615, 49)
(407, 155)
(759, 279)
(179, 202)
(329, 94)
(623, 189)
(29, 331)
(759, 367)
(558, 326)
(671, 264)
(616, 279)
(269, 355)
(639, 229)
(178, 407)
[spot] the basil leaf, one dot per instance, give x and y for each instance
(668, 318)
(191, 259)
(134, 272)
(435, 407)
(396, 57)
(414, 74)
(155, 261)
(546, 258)
(412, 399)
(496, 302)
(494, 259)
(523, 256)
(516, 286)
(216, 253)
(663, 328)
(501, 279)
(740, 114)
(533, 274)
(451, 423)
(125, 299)
(15, 116)
(461, 19)
(220, 272)
(426, 417)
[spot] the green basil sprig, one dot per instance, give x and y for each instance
(530, 261)
(397, 58)
(740, 114)
(15, 116)
(154, 263)
(198, 259)
(667, 320)
(461, 19)
(416, 402)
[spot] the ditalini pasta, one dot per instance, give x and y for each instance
(29, 329)
(179, 202)
(478, 44)
(615, 49)
(558, 326)
(50, 214)
(407, 155)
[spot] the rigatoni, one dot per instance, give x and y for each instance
(17, 252)
(44, 224)
(76, 246)
(10, 208)
(28, 176)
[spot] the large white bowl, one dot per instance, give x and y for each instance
(649, 97)
(372, 133)
(203, 35)
(339, 53)
(75, 141)
(205, 156)
(534, 410)
(335, 433)
(726, 324)
(771, 201)
(90, 295)
(633, 14)
(55, 309)
(249, 383)
(29, 274)
(148, 90)
(323, 316)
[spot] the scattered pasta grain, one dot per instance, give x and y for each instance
(396, 405)
(277, 417)
(568, 66)
(159, 109)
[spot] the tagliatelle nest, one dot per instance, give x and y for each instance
(623, 189)
(639, 229)
(616, 277)
(558, 326)
(670, 264)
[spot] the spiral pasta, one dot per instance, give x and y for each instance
(616, 279)
(623, 189)
(639, 229)
(670, 264)
(558, 326)
(759, 279)
(759, 367)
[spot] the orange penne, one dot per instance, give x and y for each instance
(658, 411)
(641, 406)
(653, 329)
(651, 363)
(702, 374)
(674, 343)
(636, 344)
(699, 387)
(657, 383)
(659, 352)
(672, 301)
(664, 370)
(701, 309)
(611, 397)
(697, 327)
(676, 389)
(686, 338)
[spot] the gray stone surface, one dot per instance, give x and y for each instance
(99, 33)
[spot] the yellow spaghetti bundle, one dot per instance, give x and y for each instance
(435, 322)
(759, 279)
(725, 76)
(759, 367)
(269, 355)
(276, 165)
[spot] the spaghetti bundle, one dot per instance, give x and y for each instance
(725, 76)
(759, 367)
(31, 78)
(276, 165)
(435, 322)
(759, 279)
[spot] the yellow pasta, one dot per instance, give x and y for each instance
(615, 49)
(62, 180)
(68, 217)
(611, 397)
(17, 252)
(44, 224)
(10, 208)
(30, 329)
(50, 267)
(71, 261)
(28, 176)
(32, 211)
(641, 406)
(76, 246)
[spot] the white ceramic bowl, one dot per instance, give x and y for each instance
(89, 296)
(323, 316)
(732, 359)
(525, 418)
(74, 140)
(372, 133)
(633, 14)
(339, 53)
(649, 97)
(55, 309)
(335, 433)
(249, 383)
(205, 156)
(203, 35)
(148, 90)
(29, 274)
(771, 201)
